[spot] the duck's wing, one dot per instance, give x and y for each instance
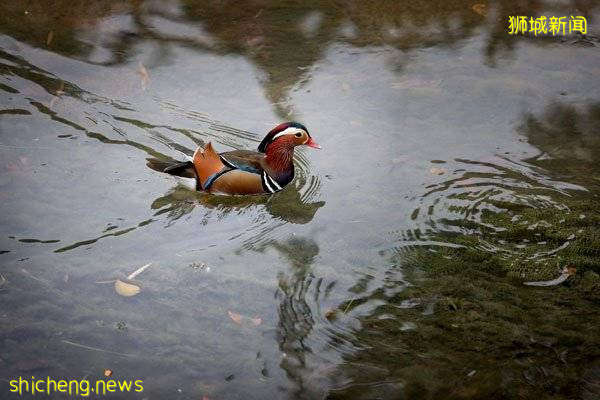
(245, 160)
(255, 162)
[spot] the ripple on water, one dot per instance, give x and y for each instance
(500, 207)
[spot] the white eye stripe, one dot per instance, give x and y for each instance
(288, 131)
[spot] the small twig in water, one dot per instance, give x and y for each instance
(348, 305)
(138, 271)
(8, 146)
(83, 346)
(34, 277)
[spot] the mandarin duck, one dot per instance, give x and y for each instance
(244, 172)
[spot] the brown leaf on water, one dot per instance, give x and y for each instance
(437, 171)
(243, 319)
(480, 9)
(237, 318)
(126, 289)
(330, 314)
(108, 372)
(49, 38)
(61, 88)
(145, 76)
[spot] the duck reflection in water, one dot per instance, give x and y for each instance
(288, 205)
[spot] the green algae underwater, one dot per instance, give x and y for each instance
(492, 337)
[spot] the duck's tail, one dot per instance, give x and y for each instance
(208, 165)
(205, 166)
(183, 169)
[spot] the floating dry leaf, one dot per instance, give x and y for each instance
(143, 73)
(2, 280)
(237, 318)
(49, 38)
(126, 289)
(480, 9)
(437, 171)
(61, 88)
(330, 314)
(244, 319)
(108, 372)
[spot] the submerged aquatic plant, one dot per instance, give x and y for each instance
(521, 242)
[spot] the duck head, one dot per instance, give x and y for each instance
(279, 145)
(286, 136)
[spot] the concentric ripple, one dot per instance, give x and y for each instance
(501, 207)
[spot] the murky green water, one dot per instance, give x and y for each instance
(458, 162)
